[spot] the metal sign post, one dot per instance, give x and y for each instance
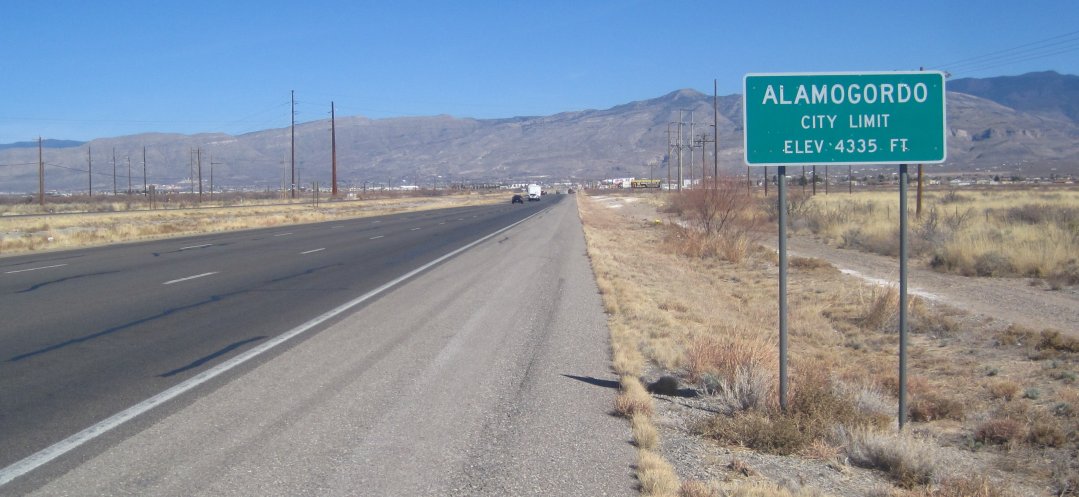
(903, 177)
(782, 205)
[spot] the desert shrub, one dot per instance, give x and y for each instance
(1055, 340)
(633, 399)
(992, 264)
(1046, 432)
(644, 432)
(725, 358)
(999, 431)
(932, 405)
(655, 475)
(952, 197)
(1015, 334)
(809, 263)
(815, 407)
(697, 488)
(910, 462)
(1003, 389)
(977, 486)
(882, 311)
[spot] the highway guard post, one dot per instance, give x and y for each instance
(844, 119)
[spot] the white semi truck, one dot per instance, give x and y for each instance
(534, 192)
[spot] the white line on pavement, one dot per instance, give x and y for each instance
(414, 229)
(376, 237)
(283, 234)
(189, 278)
(313, 251)
(196, 246)
(34, 269)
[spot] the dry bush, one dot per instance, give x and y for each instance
(882, 311)
(721, 222)
(1046, 432)
(976, 486)
(773, 490)
(999, 431)
(1055, 340)
(655, 475)
(822, 451)
(932, 405)
(633, 400)
(724, 357)
(815, 407)
(1015, 335)
(697, 488)
(809, 263)
(644, 432)
(1003, 389)
(908, 461)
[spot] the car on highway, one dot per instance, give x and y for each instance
(517, 199)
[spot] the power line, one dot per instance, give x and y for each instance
(1047, 47)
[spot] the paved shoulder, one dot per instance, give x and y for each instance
(488, 375)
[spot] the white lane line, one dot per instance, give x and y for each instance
(443, 222)
(189, 278)
(283, 234)
(68, 444)
(376, 237)
(313, 251)
(414, 229)
(34, 269)
(336, 227)
(376, 222)
(196, 246)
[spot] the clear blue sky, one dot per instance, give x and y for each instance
(87, 69)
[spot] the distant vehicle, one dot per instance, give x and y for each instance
(534, 192)
(517, 200)
(571, 190)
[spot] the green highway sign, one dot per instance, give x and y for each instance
(844, 118)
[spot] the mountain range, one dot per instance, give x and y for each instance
(1026, 125)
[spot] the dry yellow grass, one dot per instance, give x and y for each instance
(62, 231)
(1003, 232)
(656, 476)
(706, 319)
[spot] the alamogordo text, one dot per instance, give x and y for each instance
(883, 93)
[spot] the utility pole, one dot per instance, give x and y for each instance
(669, 123)
(199, 162)
(679, 150)
(114, 171)
(293, 162)
(128, 159)
(40, 174)
(333, 146)
(90, 172)
(715, 134)
(690, 140)
(144, 190)
(191, 169)
(212, 164)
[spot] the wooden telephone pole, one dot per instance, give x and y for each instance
(333, 146)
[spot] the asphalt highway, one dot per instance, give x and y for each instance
(89, 333)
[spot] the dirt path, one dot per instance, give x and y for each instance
(1013, 300)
